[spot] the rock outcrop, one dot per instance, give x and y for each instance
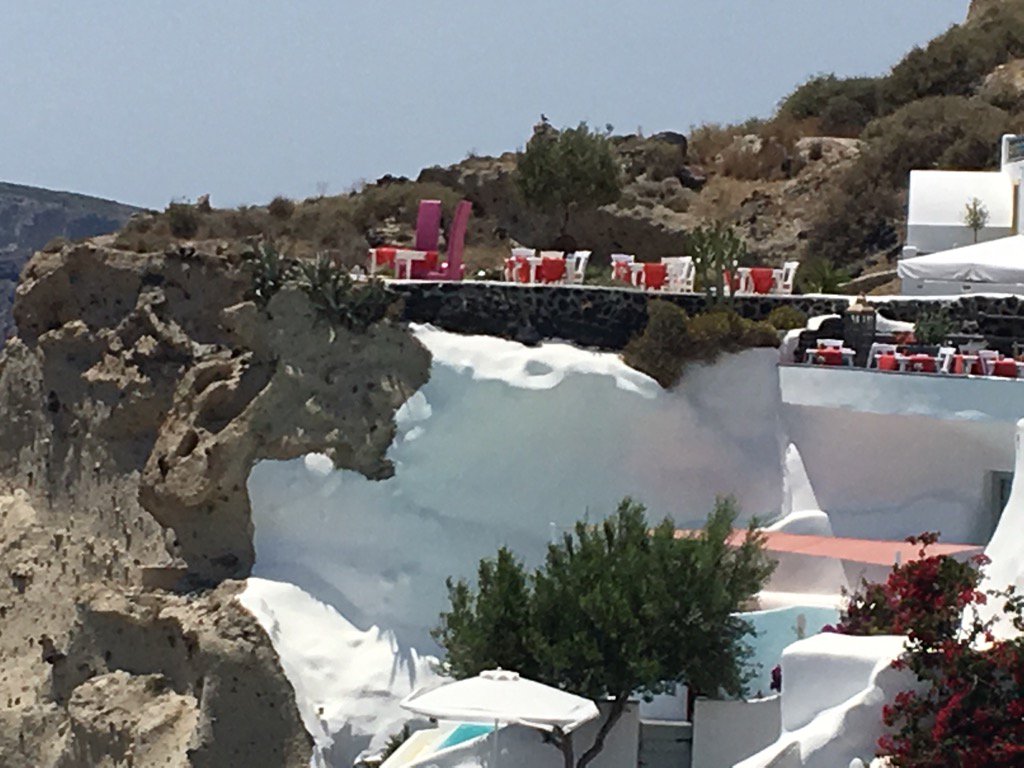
(30, 217)
(139, 393)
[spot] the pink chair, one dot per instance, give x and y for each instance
(452, 269)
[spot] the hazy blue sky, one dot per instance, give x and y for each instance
(144, 102)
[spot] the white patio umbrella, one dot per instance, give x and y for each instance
(504, 697)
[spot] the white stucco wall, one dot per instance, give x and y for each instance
(725, 732)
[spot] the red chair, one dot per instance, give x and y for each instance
(1007, 368)
(552, 270)
(420, 269)
(655, 276)
(887, 362)
(622, 271)
(523, 271)
(762, 279)
(384, 256)
(922, 363)
(830, 356)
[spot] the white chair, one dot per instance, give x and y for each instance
(987, 359)
(786, 277)
(681, 273)
(834, 343)
(621, 258)
(744, 282)
(945, 359)
(877, 350)
(518, 255)
(578, 271)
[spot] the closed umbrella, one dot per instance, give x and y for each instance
(503, 696)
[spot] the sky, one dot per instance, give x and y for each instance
(148, 102)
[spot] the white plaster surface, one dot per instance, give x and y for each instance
(508, 445)
(833, 691)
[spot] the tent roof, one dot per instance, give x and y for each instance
(994, 261)
(506, 697)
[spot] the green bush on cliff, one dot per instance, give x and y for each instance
(956, 61)
(843, 105)
(561, 171)
(269, 271)
(338, 299)
(672, 339)
(786, 318)
(861, 214)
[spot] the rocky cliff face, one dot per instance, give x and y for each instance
(140, 391)
(30, 217)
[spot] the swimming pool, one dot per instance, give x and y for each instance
(464, 732)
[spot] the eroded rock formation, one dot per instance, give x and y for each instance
(140, 391)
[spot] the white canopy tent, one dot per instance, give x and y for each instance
(502, 696)
(996, 266)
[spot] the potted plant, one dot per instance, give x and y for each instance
(930, 332)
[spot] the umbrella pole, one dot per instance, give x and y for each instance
(494, 760)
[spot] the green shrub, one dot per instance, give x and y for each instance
(843, 106)
(269, 269)
(947, 132)
(281, 208)
(672, 339)
(955, 62)
(663, 348)
(662, 160)
(821, 275)
(183, 220)
(338, 299)
(933, 327)
(786, 318)
(561, 171)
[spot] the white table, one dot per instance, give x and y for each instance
(406, 258)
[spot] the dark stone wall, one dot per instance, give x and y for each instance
(607, 318)
(593, 317)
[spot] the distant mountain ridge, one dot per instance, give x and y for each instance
(31, 216)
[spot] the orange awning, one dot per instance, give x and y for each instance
(870, 551)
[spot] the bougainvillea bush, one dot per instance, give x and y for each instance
(969, 710)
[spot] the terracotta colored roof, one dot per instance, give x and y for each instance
(871, 551)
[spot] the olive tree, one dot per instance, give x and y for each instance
(561, 171)
(975, 216)
(616, 609)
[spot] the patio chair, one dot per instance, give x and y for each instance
(681, 273)
(620, 266)
(428, 225)
(552, 268)
(452, 268)
(786, 278)
(986, 360)
(654, 276)
(830, 343)
(576, 273)
(946, 357)
(519, 256)
(878, 349)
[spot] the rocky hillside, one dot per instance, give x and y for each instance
(31, 217)
(139, 393)
(822, 180)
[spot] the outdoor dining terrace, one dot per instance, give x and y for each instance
(528, 266)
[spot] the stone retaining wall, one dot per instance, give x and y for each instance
(608, 317)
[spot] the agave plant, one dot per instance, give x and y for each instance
(338, 299)
(270, 271)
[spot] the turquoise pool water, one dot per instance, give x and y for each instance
(464, 732)
(776, 629)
